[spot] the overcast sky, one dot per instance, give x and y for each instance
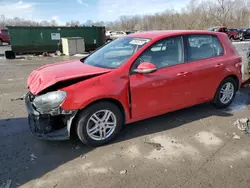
(82, 10)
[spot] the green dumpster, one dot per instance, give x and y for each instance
(29, 39)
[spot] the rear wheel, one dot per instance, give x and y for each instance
(1, 42)
(242, 38)
(99, 123)
(225, 93)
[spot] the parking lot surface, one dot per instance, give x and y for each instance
(193, 147)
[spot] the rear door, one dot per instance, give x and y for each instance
(205, 56)
(168, 88)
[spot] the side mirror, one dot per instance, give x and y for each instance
(145, 68)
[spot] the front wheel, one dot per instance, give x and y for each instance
(225, 93)
(99, 123)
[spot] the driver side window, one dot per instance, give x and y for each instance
(164, 53)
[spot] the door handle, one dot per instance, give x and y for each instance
(182, 73)
(219, 65)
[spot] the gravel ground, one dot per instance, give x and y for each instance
(192, 148)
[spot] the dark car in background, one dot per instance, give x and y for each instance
(244, 34)
(4, 36)
(130, 32)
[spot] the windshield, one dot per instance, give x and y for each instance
(116, 53)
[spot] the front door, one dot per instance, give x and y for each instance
(165, 90)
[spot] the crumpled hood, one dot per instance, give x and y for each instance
(51, 74)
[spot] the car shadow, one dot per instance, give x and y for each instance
(170, 121)
(18, 148)
(17, 144)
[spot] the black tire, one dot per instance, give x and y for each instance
(83, 117)
(241, 37)
(1, 42)
(217, 102)
(10, 54)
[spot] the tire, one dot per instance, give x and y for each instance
(218, 96)
(231, 38)
(10, 54)
(84, 123)
(1, 42)
(241, 37)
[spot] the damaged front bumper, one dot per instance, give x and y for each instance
(53, 126)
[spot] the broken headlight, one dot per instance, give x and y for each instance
(49, 101)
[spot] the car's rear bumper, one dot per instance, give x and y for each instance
(47, 126)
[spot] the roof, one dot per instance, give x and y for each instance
(166, 33)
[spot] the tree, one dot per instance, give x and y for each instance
(73, 23)
(196, 15)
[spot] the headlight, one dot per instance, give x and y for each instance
(49, 101)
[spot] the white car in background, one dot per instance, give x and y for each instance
(108, 34)
(117, 34)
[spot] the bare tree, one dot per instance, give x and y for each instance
(196, 15)
(72, 23)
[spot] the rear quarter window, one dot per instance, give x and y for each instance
(203, 47)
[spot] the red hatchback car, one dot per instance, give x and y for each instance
(132, 78)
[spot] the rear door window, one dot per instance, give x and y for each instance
(203, 47)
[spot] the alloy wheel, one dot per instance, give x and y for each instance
(101, 125)
(226, 93)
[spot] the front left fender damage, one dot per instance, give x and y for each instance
(54, 126)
